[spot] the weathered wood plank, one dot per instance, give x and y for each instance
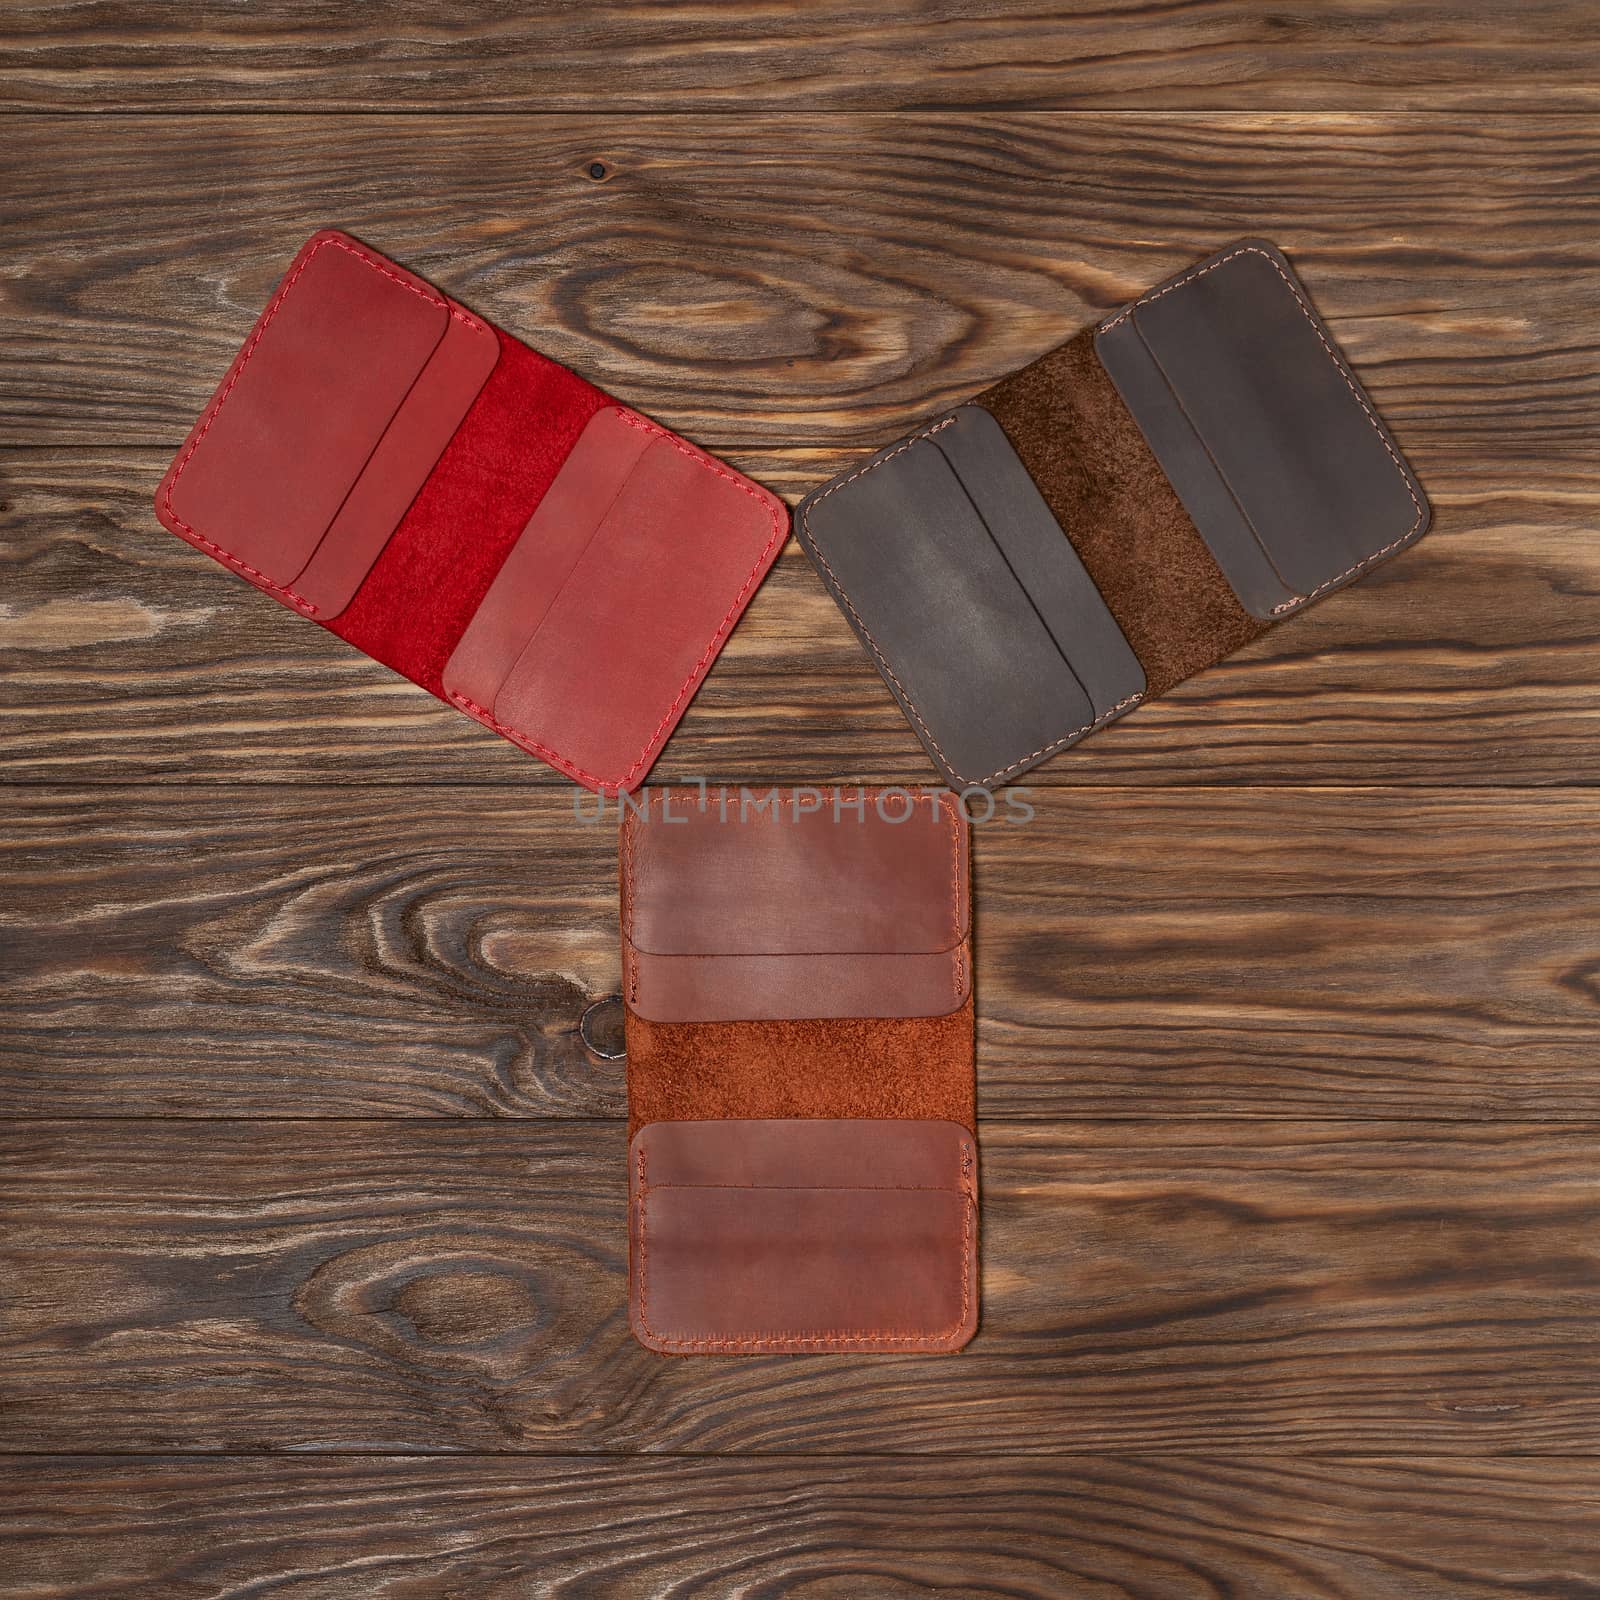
(989, 241)
(1473, 660)
(628, 56)
(244, 951)
(765, 282)
(1187, 1527)
(329, 898)
(1406, 1287)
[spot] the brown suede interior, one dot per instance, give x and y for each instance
(1085, 452)
(918, 1067)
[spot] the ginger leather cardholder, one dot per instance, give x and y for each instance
(1122, 513)
(471, 514)
(797, 977)
(786, 1236)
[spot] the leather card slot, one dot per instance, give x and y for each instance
(400, 464)
(797, 906)
(621, 589)
(1184, 458)
(752, 1237)
(795, 876)
(302, 411)
(747, 988)
(559, 531)
(823, 1153)
(1042, 558)
(1078, 441)
(1276, 451)
(929, 590)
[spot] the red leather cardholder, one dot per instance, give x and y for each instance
(471, 514)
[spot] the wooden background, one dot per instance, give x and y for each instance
(313, 1252)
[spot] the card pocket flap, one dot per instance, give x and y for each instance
(930, 595)
(300, 412)
(761, 1236)
(401, 464)
(1275, 449)
(564, 522)
(608, 612)
(1042, 558)
(795, 873)
(757, 988)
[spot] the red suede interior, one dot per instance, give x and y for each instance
(424, 588)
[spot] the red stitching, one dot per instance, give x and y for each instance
(214, 410)
(850, 1336)
(308, 608)
(723, 629)
(526, 741)
(883, 663)
(1350, 384)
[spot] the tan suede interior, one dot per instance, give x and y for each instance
(919, 1067)
(1085, 452)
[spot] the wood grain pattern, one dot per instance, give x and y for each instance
(252, 952)
(1179, 1528)
(1404, 1287)
(1288, 1022)
(792, 346)
(625, 56)
(761, 284)
(124, 654)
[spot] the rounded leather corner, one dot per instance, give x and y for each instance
(329, 235)
(961, 1338)
(1427, 516)
(158, 502)
(647, 1340)
(783, 516)
(1250, 242)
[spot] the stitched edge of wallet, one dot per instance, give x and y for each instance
(657, 738)
(819, 1340)
(214, 408)
(904, 694)
(1350, 383)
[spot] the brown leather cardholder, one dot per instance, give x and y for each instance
(1201, 465)
(733, 913)
(797, 973)
(751, 1237)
